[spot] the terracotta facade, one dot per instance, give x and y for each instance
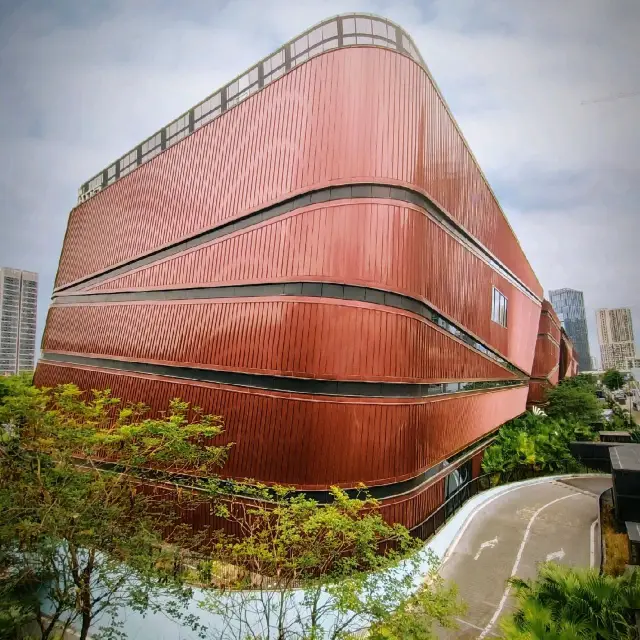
(318, 266)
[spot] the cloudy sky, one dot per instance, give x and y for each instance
(530, 82)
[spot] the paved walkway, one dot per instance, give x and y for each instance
(510, 535)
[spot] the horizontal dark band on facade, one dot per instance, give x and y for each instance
(545, 378)
(310, 289)
(354, 388)
(322, 496)
(552, 319)
(365, 190)
(549, 337)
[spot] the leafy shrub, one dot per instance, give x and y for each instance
(564, 602)
(533, 444)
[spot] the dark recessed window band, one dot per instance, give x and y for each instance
(549, 337)
(310, 289)
(322, 496)
(287, 384)
(322, 195)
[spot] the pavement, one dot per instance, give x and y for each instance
(510, 535)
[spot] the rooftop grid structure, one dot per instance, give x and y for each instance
(337, 32)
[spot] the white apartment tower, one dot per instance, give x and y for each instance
(18, 306)
(615, 335)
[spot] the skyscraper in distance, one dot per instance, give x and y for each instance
(615, 336)
(569, 305)
(18, 305)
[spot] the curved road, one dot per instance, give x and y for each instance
(510, 535)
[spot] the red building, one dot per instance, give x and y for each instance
(546, 362)
(314, 253)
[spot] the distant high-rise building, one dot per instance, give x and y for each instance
(569, 305)
(18, 305)
(594, 363)
(615, 335)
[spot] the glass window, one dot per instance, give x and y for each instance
(391, 32)
(315, 37)
(300, 45)
(348, 25)
(379, 28)
(363, 25)
(499, 305)
(330, 30)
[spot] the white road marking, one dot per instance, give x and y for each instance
(473, 514)
(516, 564)
(556, 555)
(520, 485)
(469, 624)
(484, 545)
(592, 544)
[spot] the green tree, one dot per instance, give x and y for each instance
(613, 379)
(574, 403)
(533, 444)
(87, 540)
(343, 555)
(584, 381)
(564, 602)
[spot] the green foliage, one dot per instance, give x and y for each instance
(620, 419)
(613, 379)
(533, 444)
(575, 403)
(15, 385)
(346, 558)
(85, 538)
(83, 535)
(567, 603)
(585, 381)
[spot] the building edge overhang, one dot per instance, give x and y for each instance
(404, 45)
(287, 57)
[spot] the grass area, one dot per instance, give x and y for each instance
(616, 543)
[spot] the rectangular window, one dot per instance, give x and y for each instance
(499, 308)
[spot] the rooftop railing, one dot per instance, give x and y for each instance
(340, 31)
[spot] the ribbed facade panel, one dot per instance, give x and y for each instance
(298, 337)
(379, 244)
(314, 441)
(390, 206)
(547, 357)
(414, 508)
(549, 322)
(537, 391)
(410, 509)
(346, 116)
(548, 360)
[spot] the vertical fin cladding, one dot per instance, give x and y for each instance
(408, 436)
(332, 145)
(366, 118)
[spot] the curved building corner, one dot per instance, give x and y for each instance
(312, 252)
